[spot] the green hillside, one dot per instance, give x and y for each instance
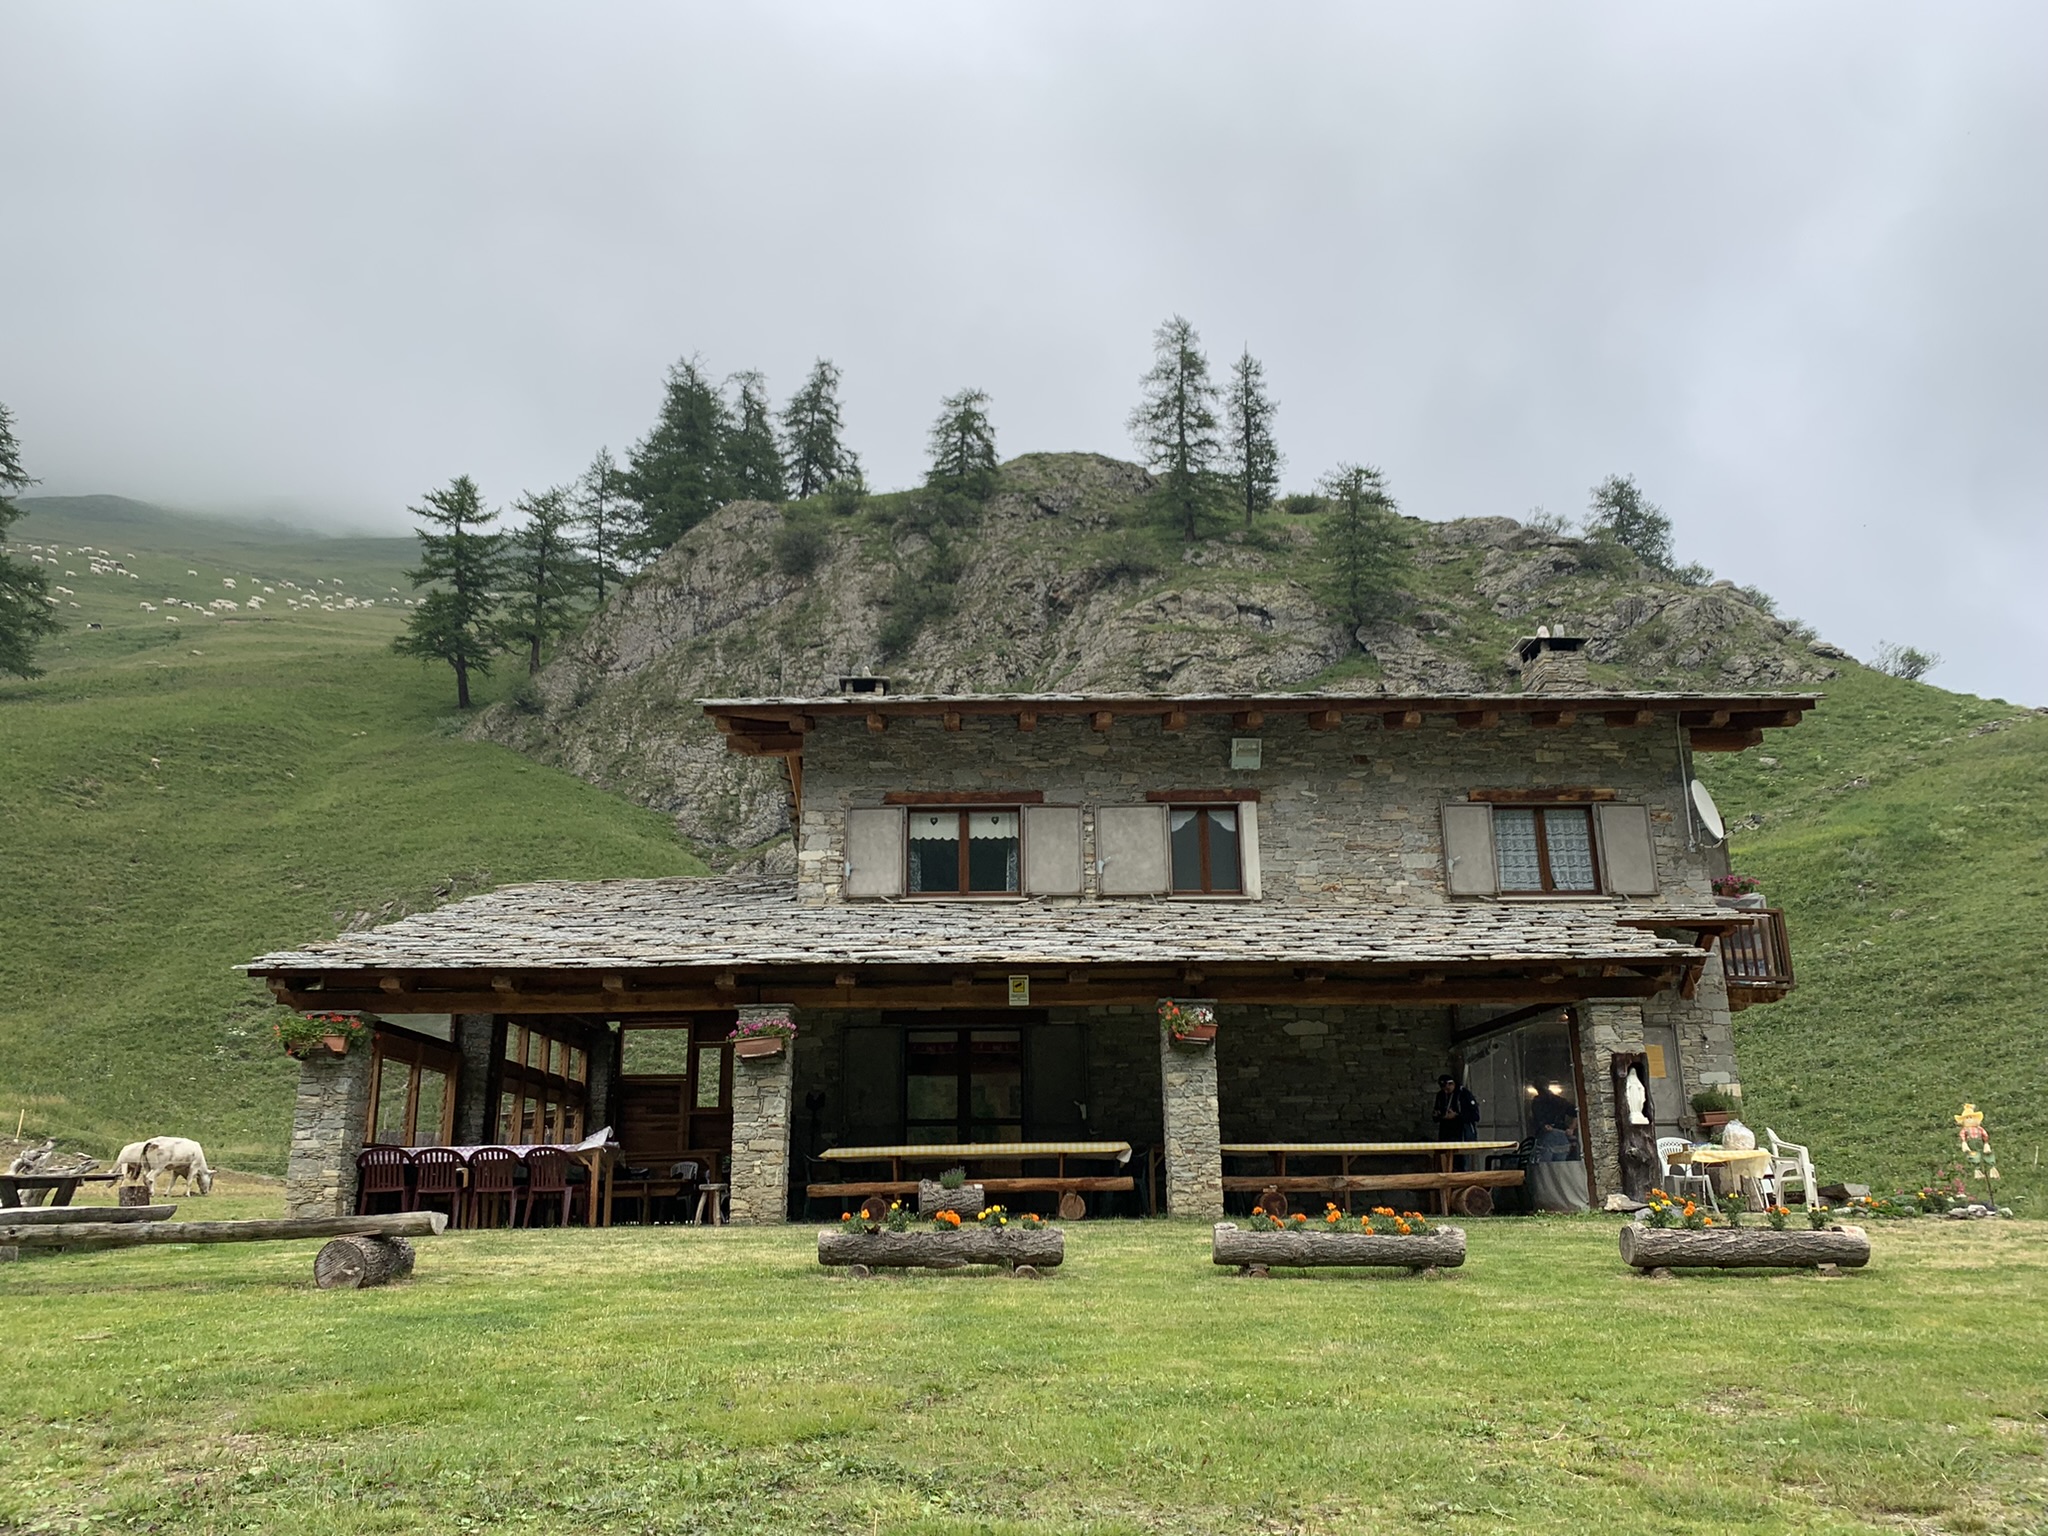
(181, 796)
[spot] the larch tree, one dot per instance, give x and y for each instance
(1175, 426)
(600, 501)
(676, 476)
(753, 453)
(546, 573)
(811, 429)
(1621, 513)
(1254, 458)
(963, 447)
(1361, 546)
(463, 565)
(25, 616)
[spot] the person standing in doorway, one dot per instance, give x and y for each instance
(1456, 1113)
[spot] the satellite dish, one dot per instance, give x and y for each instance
(1709, 813)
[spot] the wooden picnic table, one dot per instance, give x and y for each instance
(61, 1186)
(961, 1153)
(1438, 1184)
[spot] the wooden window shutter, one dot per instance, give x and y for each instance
(1626, 849)
(1468, 850)
(874, 853)
(1131, 852)
(1052, 850)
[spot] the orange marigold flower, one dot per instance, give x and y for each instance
(951, 1218)
(1258, 1210)
(846, 1215)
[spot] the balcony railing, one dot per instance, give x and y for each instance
(1756, 959)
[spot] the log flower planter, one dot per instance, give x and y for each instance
(933, 1197)
(1646, 1247)
(1303, 1244)
(861, 1245)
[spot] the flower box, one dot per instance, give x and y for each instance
(759, 1047)
(317, 1034)
(1188, 1022)
(1308, 1245)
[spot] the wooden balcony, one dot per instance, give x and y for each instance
(1756, 958)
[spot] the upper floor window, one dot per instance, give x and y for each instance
(958, 853)
(1545, 849)
(1206, 845)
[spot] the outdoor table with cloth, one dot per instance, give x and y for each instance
(1440, 1183)
(597, 1152)
(960, 1154)
(1748, 1166)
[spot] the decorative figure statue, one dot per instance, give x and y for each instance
(1976, 1143)
(1638, 1098)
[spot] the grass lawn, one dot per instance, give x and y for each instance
(684, 1380)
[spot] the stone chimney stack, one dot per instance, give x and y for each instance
(1553, 663)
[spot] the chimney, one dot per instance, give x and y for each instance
(1553, 663)
(863, 685)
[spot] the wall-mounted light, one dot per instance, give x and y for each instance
(1245, 751)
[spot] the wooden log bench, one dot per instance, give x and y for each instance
(1450, 1188)
(1659, 1250)
(369, 1250)
(1024, 1251)
(1070, 1188)
(1255, 1252)
(72, 1215)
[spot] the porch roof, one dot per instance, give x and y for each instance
(627, 936)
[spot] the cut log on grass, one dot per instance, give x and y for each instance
(1439, 1248)
(131, 1196)
(1646, 1247)
(933, 1197)
(350, 1263)
(74, 1215)
(86, 1236)
(1042, 1248)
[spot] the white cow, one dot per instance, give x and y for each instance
(178, 1156)
(130, 1166)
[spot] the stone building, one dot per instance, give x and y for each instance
(994, 895)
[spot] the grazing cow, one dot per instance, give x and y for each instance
(130, 1165)
(181, 1158)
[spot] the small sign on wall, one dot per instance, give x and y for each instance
(1020, 991)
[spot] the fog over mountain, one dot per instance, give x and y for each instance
(1781, 264)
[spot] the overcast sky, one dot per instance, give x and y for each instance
(1785, 264)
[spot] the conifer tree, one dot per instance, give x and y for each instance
(457, 621)
(963, 447)
(1620, 512)
(676, 476)
(1254, 457)
(25, 615)
(753, 455)
(600, 501)
(1175, 426)
(545, 574)
(810, 434)
(1361, 544)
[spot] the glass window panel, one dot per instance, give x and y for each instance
(557, 1065)
(934, 851)
(1186, 829)
(507, 1116)
(514, 1043)
(426, 1126)
(394, 1078)
(931, 1097)
(1569, 834)
(536, 1049)
(710, 1077)
(992, 851)
(1223, 861)
(576, 1064)
(1514, 847)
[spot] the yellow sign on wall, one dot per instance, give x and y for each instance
(1656, 1055)
(1020, 991)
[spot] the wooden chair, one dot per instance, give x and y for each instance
(380, 1171)
(437, 1175)
(493, 1177)
(547, 1175)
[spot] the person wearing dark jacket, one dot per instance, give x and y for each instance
(1456, 1113)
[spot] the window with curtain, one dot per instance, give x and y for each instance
(962, 853)
(1206, 856)
(1548, 848)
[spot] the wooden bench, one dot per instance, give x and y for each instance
(1446, 1184)
(1069, 1187)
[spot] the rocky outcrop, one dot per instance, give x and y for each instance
(1063, 583)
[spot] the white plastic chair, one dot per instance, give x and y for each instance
(1680, 1175)
(1789, 1159)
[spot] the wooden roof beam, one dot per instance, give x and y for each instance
(1629, 719)
(1478, 719)
(1552, 719)
(1325, 719)
(1725, 741)
(1401, 720)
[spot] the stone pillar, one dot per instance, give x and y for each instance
(1604, 1028)
(1194, 1156)
(327, 1132)
(602, 1045)
(758, 1174)
(480, 1038)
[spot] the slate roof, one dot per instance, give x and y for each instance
(730, 922)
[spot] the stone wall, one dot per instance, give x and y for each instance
(758, 1172)
(480, 1037)
(1352, 813)
(1706, 1033)
(1194, 1159)
(327, 1132)
(1330, 1074)
(1604, 1028)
